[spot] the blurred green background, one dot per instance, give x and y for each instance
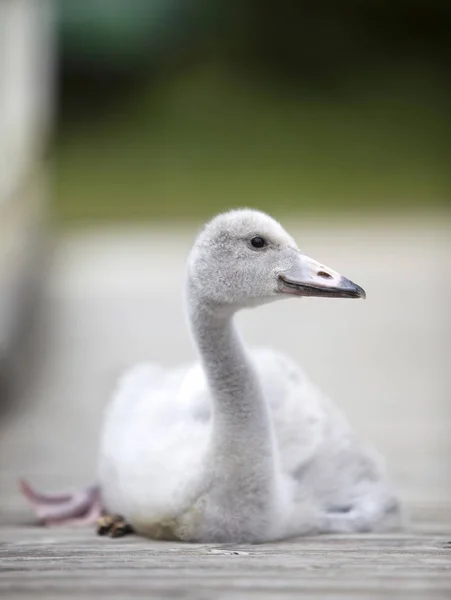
(174, 109)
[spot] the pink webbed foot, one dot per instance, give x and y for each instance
(79, 508)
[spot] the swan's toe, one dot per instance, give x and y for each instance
(114, 526)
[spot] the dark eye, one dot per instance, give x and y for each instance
(258, 242)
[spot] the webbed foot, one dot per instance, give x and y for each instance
(77, 508)
(114, 526)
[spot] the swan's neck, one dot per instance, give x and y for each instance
(242, 448)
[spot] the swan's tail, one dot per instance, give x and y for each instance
(77, 508)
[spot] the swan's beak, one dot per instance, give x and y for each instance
(310, 278)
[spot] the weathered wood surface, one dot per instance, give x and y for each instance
(114, 299)
(71, 564)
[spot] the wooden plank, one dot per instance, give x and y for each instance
(65, 563)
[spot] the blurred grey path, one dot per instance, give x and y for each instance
(113, 298)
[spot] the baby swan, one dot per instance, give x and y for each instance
(240, 447)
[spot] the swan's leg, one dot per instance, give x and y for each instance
(114, 526)
(79, 508)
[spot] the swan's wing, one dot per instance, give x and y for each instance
(160, 396)
(305, 421)
(152, 442)
(318, 448)
(299, 410)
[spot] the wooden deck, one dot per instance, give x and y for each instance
(73, 564)
(100, 304)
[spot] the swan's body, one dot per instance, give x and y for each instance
(154, 467)
(240, 446)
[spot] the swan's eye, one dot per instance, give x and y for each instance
(258, 242)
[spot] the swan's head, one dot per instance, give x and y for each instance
(244, 258)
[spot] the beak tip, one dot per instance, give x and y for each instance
(355, 291)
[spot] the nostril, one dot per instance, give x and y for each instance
(324, 275)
